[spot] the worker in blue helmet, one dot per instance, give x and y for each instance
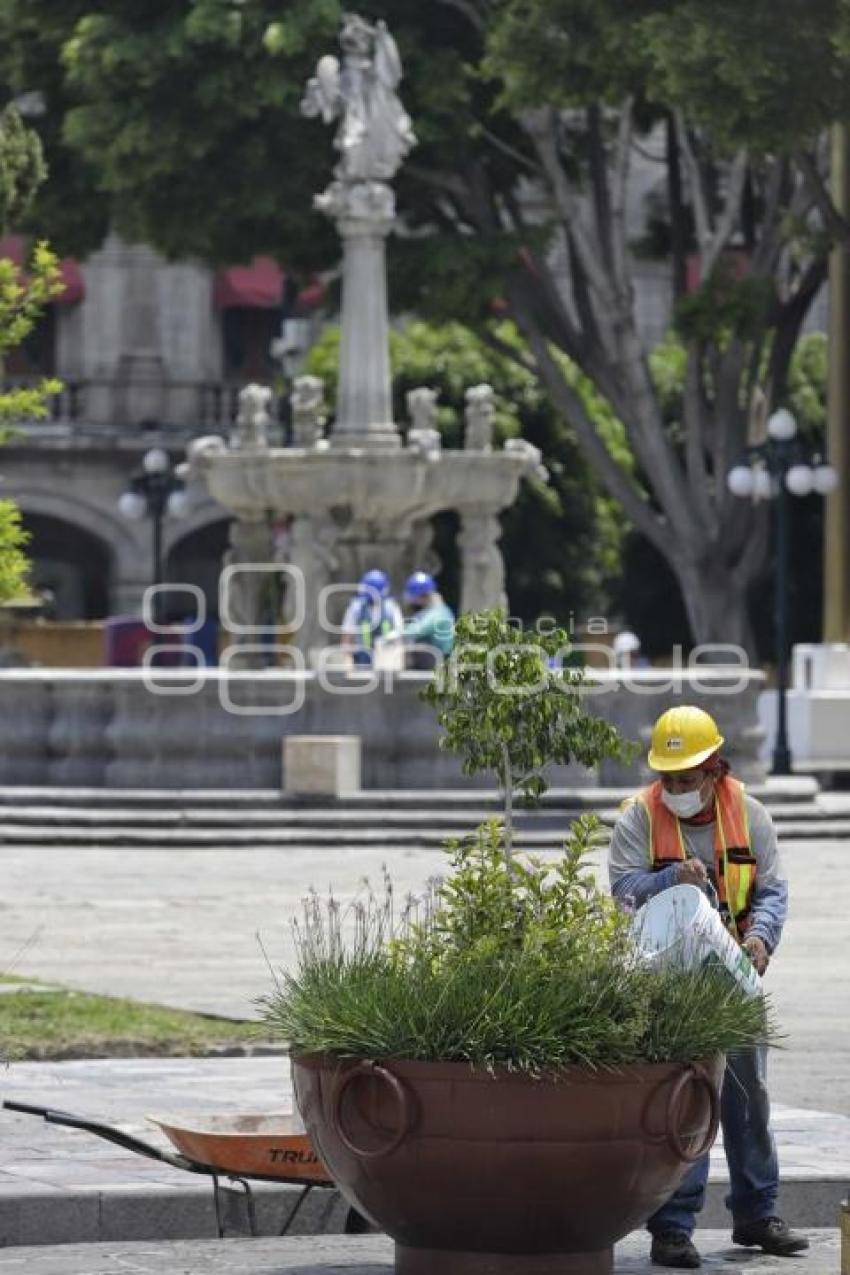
(430, 624)
(372, 616)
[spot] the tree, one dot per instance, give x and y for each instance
(561, 540)
(644, 592)
(530, 115)
(510, 704)
(21, 301)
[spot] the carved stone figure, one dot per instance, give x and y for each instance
(531, 454)
(423, 437)
(198, 448)
(425, 442)
(253, 419)
(375, 132)
(479, 414)
(308, 418)
(422, 407)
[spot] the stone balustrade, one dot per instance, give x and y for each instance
(113, 728)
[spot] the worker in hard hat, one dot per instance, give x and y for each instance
(371, 617)
(430, 624)
(696, 825)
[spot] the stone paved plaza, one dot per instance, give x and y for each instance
(361, 1255)
(185, 927)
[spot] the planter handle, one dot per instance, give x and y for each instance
(401, 1095)
(693, 1072)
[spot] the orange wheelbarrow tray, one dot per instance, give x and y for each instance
(264, 1148)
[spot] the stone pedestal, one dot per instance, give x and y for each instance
(321, 765)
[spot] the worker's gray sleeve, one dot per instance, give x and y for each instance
(770, 897)
(629, 872)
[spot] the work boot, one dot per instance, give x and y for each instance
(771, 1235)
(674, 1248)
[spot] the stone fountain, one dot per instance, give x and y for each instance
(362, 496)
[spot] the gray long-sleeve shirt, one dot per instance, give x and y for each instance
(631, 875)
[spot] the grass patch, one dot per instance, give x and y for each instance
(56, 1023)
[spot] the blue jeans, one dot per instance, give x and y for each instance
(750, 1152)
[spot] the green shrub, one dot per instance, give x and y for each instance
(519, 963)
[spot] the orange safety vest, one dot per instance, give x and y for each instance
(734, 861)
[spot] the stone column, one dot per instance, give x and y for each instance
(482, 566)
(364, 215)
(420, 554)
(247, 597)
(313, 555)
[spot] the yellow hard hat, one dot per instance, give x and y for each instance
(683, 737)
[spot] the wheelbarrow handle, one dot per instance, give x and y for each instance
(110, 1134)
(50, 1114)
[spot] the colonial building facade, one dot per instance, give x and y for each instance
(150, 353)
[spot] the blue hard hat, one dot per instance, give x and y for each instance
(419, 584)
(374, 582)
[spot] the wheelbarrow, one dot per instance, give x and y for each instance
(241, 1149)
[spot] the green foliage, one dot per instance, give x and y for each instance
(13, 561)
(509, 703)
(532, 968)
(807, 385)
(22, 168)
(511, 960)
(770, 74)
(22, 299)
(179, 125)
(561, 540)
(724, 307)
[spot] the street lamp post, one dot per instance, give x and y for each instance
(155, 492)
(777, 468)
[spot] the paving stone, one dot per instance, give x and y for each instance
(363, 1255)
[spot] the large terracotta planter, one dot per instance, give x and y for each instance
(479, 1173)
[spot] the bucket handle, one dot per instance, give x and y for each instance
(696, 1074)
(400, 1093)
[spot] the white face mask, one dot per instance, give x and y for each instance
(685, 805)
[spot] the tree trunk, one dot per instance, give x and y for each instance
(508, 780)
(716, 605)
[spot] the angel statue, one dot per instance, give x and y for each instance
(375, 132)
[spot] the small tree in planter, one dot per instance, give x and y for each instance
(510, 703)
(503, 1035)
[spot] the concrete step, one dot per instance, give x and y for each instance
(137, 818)
(329, 817)
(336, 816)
(777, 793)
(373, 834)
(262, 838)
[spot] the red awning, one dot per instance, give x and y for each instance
(261, 286)
(258, 286)
(14, 248)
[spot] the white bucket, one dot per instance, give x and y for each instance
(680, 927)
